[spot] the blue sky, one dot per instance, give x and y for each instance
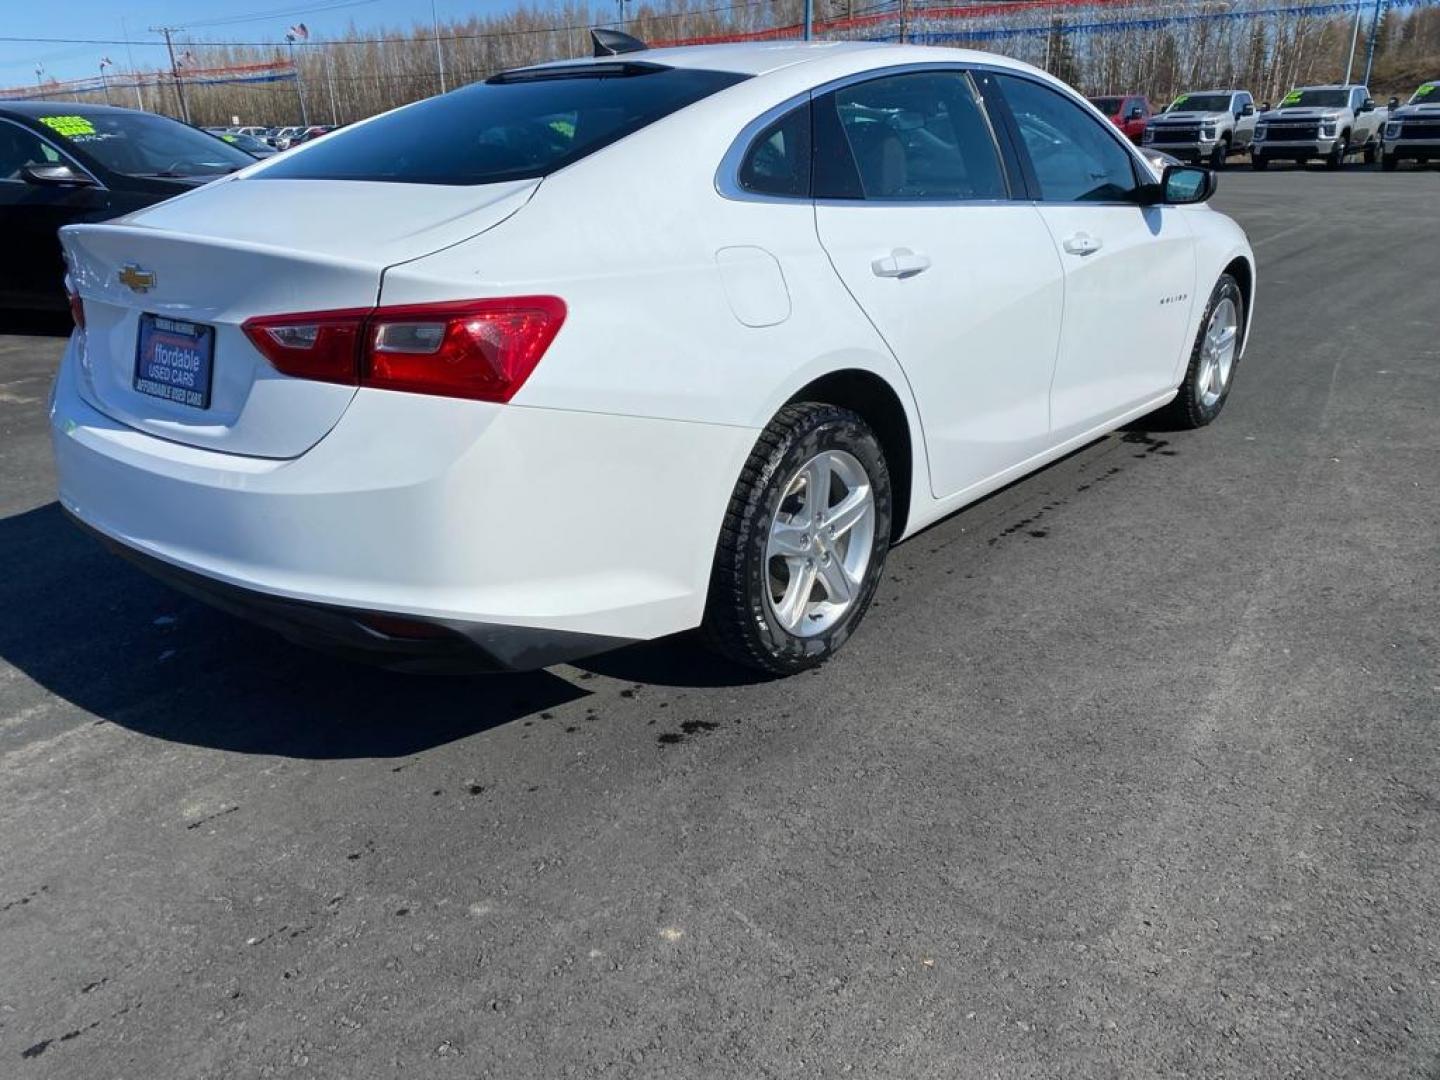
(113, 18)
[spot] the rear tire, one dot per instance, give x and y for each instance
(1213, 359)
(1372, 152)
(790, 582)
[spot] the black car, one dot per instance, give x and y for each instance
(62, 163)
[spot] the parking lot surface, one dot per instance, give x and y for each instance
(1132, 771)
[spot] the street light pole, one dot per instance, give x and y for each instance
(105, 82)
(1370, 48)
(299, 82)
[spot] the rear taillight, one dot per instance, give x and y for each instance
(480, 349)
(321, 345)
(77, 305)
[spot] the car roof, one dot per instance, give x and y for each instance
(51, 108)
(763, 57)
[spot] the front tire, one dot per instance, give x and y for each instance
(1213, 359)
(803, 542)
(1389, 163)
(1219, 155)
(1372, 152)
(1336, 157)
(1258, 161)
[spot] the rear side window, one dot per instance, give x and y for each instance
(513, 127)
(778, 161)
(921, 136)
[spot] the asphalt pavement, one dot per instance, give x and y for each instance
(1131, 772)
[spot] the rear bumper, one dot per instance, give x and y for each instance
(379, 638)
(531, 535)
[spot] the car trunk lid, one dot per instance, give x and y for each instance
(223, 254)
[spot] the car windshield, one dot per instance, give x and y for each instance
(1108, 105)
(516, 126)
(1316, 99)
(142, 144)
(1429, 94)
(1201, 103)
(248, 143)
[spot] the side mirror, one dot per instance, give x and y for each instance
(1393, 103)
(1368, 105)
(1135, 113)
(1248, 109)
(1182, 185)
(1264, 106)
(54, 176)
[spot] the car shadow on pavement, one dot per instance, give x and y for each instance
(98, 633)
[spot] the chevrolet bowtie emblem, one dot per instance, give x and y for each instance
(132, 277)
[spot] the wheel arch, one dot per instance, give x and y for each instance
(877, 402)
(1243, 271)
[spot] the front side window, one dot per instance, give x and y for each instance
(19, 148)
(143, 144)
(1076, 158)
(515, 126)
(778, 161)
(920, 136)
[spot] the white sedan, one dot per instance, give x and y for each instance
(599, 351)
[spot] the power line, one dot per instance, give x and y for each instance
(276, 13)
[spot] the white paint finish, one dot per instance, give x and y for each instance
(1127, 308)
(976, 331)
(754, 285)
(655, 384)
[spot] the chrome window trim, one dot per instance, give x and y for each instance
(727, 175)
(65, 157)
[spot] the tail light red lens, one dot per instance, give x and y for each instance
(478, 349)
(320, 345)
(483, 349)
(77, 305)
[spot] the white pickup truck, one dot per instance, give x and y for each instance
(1204, 126)
(1325, 122)
(1412, 131)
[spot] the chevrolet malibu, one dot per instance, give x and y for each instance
(603, 350)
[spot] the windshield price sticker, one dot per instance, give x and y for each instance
(69, 126)
(1180, 101)
(1427, 90)
(1291, 98)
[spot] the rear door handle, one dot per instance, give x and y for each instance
(901, 263)
(1083, 244)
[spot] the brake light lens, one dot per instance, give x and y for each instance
(77, 305)
(320, 345)
(478, 349)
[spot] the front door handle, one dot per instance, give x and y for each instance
(901, 263)
(1083, 244)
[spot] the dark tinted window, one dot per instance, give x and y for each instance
(510, 128)
(1108, 105)
(920, 136)
(1076, 157)
(778, 161)
(19, 148)
(143, 144)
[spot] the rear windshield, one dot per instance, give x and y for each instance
(1108, 105)
(513, 127)
(143, 144)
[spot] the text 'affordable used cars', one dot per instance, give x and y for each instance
(603, 350)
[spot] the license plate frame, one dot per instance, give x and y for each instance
(175, 360)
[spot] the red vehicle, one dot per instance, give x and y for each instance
(1128, 112)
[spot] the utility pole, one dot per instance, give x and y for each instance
(809, 19)
(104, 62)
(174, 70)
(439, 53)
(902, 22)
(1370, 48)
